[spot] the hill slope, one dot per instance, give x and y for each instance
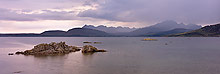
(75, 32)
(207, 31)
(53, 33)
(85, 32)
(173, 31)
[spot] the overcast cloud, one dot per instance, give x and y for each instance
(188, 11)
(131, 13)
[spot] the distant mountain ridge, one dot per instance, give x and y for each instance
(169, 24)
(54, 32)
(154, 30)
(173, 31)
(157, 30)
(163, 26)
(207, 31)
(110, 29)
(76, 32)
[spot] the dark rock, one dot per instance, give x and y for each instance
(97, 42)
(10, 53)
(50, 49)
(87, 42)
(18, 72)
(19, 52)
(101, 51)
(91, 49)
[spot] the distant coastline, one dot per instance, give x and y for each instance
(163, 29)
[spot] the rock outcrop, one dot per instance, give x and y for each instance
(91, 49)
(50, 49)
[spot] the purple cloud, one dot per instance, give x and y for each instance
(189, 11)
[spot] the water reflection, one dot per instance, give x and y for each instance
(88, 54)
(45, 56)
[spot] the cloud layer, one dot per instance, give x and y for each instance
(29, 15)
(131, 13)
(189, 11)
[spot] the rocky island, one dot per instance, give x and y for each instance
(54, 48)
(91, 49)
(50, 49)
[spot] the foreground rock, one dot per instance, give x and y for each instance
(50, 49)
(91, 49)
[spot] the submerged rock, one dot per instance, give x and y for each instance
(18, 72)
(87, 42)
(92, 42)
(10, 53)
(19, 52)
(97, 42)
(50, 49)
(91, 49)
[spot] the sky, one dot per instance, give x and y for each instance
(35, 16)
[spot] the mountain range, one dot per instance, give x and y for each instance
(110, 29)
(160, 29)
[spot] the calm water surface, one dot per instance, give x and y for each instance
(126, 55)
